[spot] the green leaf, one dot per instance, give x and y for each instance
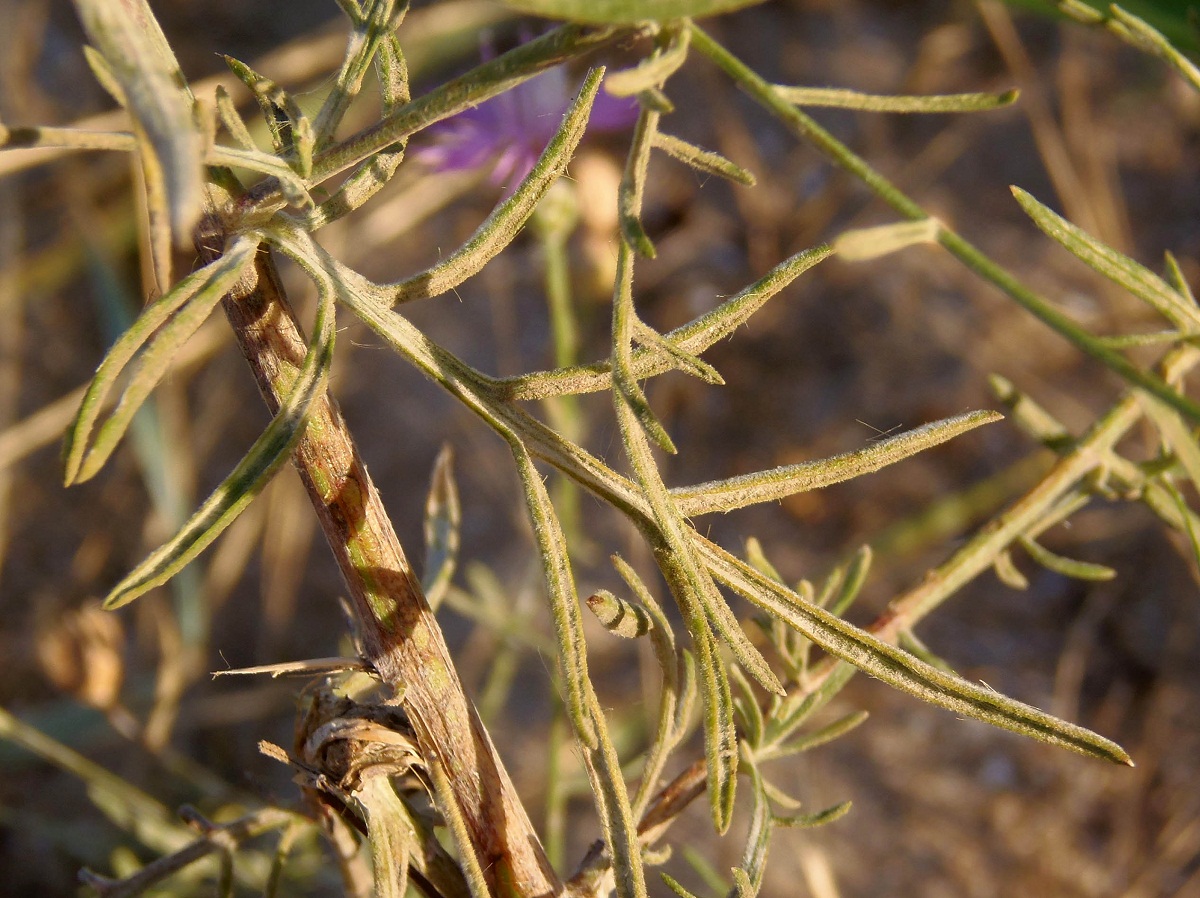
(770, 486)
(443, 519)
(851, 577)
(693, 338)
(748, 875)
(165, 326)
(820, 818)
(863, 244)
(141, 62)
(1068, 567)
(720, 737)
(627, 12)
(1115, 266)
(252, 473)
(900, 669)
(852, 99)
(506, 221)
(703, 160)
(1008, 573)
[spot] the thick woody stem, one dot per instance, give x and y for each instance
(400, 636)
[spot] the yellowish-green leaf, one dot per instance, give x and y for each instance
(1008, 573)
(770, 486)
(852, 99)
(1068, 567)
(165, 326)
(900, 669)
(820, 818)
(443, 519)
(1115, 266)
(703, 160)
(627, 12)
(252, 473)
(506, 221)
(863, 244)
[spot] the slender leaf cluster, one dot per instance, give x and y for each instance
(756, 695)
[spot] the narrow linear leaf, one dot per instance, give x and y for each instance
(132, 810)
(1146, 37)
(443, 520)
(379, 18)
(626, 12)
(820, 818)
(656, 100)
(748, 875)
(674, 885)
(1115, 266)
(747, 708)
(769, 486)
(392, 69)
(1068, 567)
(103, 73)
(1008, 573)
(850, 583)
(142, 63)
(758, 558)
(652, 72)
(694, 337)
(1178, 281)
(742, 886)
(252, 473)
(616, 814)
(390, 835)
(852, 99)
(703, 160)
(808, 130)
(817, 738)
(166, 325)
(898, 668)
(863, 244)
(506, 221)
(678, 687)
(693, 365)
(564, 602)
(720, 737)
(291, 129)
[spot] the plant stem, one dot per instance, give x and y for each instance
(401, 638)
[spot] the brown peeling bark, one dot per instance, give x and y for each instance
(400, 635)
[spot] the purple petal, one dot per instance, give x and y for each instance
(611, 113)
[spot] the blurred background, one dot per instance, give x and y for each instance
(942, 807)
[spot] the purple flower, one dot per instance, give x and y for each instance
(510, 130)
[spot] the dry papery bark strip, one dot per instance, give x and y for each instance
(400, 636)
